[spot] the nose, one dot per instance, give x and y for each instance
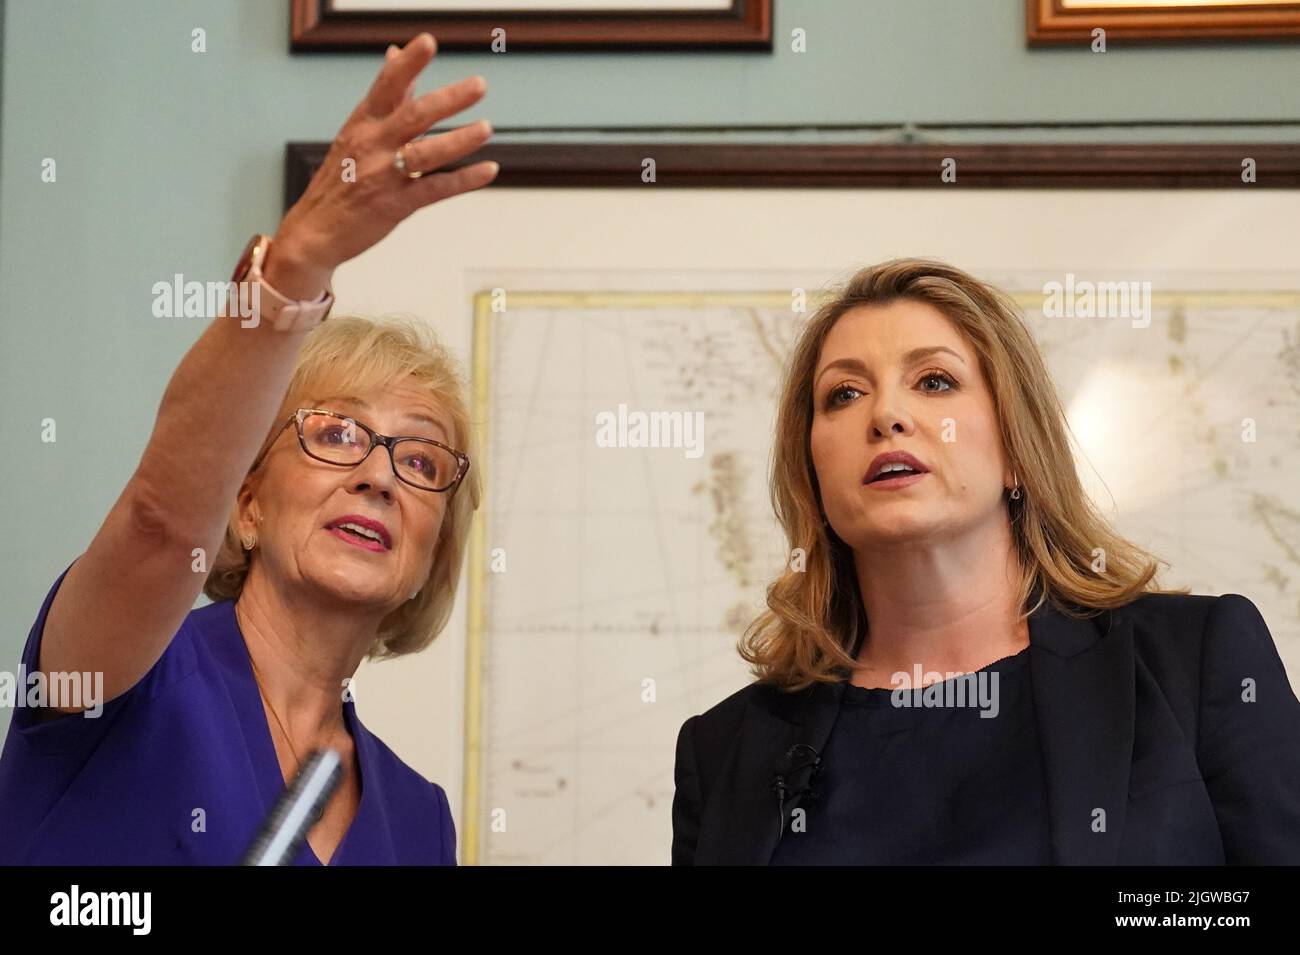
(375, 473)
(888, 417)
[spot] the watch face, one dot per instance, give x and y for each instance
(246, 259)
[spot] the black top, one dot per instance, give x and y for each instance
(930, 784)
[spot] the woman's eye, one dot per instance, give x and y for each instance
(833, 400)
(842, 394)
(337, 435)
(418, 462)
(938, 376)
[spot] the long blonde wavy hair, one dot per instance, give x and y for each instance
(345, 355)
(815, 615)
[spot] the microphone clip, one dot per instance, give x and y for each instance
(796, 771)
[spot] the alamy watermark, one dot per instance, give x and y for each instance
(75, 907)
(1083, 299)
(651, 429)
(58, 689)
(947, 691)
(194, 299)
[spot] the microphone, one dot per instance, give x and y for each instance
(795, 772)
(297, 810)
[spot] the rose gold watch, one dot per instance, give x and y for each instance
(285, 314)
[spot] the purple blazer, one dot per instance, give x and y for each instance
(181, 770)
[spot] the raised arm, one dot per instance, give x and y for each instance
(125, 597)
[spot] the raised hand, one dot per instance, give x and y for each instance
(358, 194)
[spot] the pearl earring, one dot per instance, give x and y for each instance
(414, 594)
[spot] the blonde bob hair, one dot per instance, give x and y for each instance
(815, 615)
(347, 355)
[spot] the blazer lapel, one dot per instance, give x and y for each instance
(741, 822)
(1083, 684)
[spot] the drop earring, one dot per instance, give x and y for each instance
(1015, 491)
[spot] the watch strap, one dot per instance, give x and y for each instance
(285, 314)
(291, 316)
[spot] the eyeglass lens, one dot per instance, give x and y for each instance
(341, 441)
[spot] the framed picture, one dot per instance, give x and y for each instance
(866, 166)
(567, 302)
(533, 24)
(1052, 22)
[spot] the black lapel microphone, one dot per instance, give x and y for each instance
(796, 770)
(297, 810)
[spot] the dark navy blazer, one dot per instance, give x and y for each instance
(1145, 712)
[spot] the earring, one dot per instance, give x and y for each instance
(414, 594)
(1015, 491)
(248, 542)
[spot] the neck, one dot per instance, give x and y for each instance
(949, 605)
(303, 651)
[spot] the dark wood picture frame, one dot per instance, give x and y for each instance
(747, 25)
(985, 166)
(1053, 22)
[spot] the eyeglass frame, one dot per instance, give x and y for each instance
(375, 439)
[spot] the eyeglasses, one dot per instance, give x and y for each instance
(337, 439)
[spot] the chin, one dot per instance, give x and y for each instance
(346, 585)
(894, 530)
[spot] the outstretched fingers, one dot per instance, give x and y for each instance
(444, 185)
(397, 76)
(415, 117)
(410, 87)
(433, 152)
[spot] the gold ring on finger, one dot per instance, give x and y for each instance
(400, 164)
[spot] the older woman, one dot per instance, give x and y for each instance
(343, 453)
(943, 543)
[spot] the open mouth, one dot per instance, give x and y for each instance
(360, 536)
(897, 478)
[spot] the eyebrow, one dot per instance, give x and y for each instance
(410, 415)
(911, 357)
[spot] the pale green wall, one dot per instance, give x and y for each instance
(168, 160)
